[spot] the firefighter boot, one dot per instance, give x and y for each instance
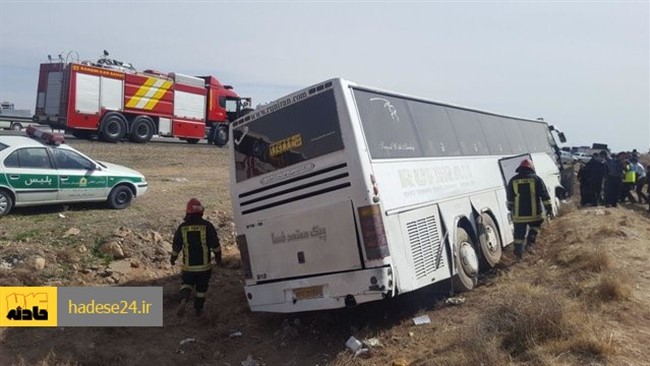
(530, 242)
(184, 298)
(519, 252)
(198, 305)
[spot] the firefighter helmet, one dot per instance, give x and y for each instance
(194, 206)
(526, 164)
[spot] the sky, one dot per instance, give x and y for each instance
(582, 66)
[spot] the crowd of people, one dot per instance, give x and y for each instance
(612, 179)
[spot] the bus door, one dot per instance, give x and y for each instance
(508, 166)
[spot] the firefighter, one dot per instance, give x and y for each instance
(525, 191)
(197, 239)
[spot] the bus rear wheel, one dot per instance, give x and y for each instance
(465, 261)
(16, 127)
(490, 242)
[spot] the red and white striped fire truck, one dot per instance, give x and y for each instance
(113, 101)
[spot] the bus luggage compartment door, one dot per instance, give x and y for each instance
(312, 241)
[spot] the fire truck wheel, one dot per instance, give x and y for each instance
(17, 127)
(120, 197)
(221, 137)
(465, 261)
(490, 242)
(141, 129)
(6, 202)
(192, 141)
(113, 127)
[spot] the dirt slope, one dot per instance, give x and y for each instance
(582, 298)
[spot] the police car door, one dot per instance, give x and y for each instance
(79, 177)
(30, 174)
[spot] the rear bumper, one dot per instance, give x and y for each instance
(363, 285)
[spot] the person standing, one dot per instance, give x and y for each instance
(596, 175)
(629, 179)
(613, 179)
(524, 192)
(197, 239)
(641, 178)
(583, 178)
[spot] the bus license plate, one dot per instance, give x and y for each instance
(308, 292)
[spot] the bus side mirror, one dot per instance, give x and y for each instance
(561, 136)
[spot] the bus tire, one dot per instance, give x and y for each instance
(113, 127)
(141, 129)
(489, 242)
(192, 141)
(6, 202)
(120, 197)
(466, 262)
(16, 127)
(221, 135)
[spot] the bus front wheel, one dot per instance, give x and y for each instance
(466, 262)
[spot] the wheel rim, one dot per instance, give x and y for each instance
(142, 130)
(113, 128)
(222, 134)
(468, 259)
(492, 239)
(4, 203)
(122, 197)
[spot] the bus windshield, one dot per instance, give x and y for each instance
(298, 132)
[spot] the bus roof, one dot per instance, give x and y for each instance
(328, 83)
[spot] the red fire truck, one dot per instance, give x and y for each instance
(113, 101)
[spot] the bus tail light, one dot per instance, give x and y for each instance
(242, 244)
(373, 232)
(375, 188)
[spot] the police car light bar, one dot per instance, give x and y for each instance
(46, 137)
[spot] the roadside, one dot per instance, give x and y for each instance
(583, 298)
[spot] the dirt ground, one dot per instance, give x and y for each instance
(592, 265)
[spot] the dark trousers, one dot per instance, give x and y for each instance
(596, 192)
(639, 189)
(521, 238)
(198, 280)
(613, 186)
(585, 193)
(626, 192)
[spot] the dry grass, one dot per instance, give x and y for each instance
(612, 287)
(530, 325)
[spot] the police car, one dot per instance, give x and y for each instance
(39, 169)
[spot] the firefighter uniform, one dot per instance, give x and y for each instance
(197, 239)
(524, 192)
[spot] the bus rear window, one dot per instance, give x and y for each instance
(302, 131)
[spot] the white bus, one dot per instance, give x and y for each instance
(344, 194)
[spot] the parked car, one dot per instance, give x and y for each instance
(40, 169)
(581, 156)
(566, 157)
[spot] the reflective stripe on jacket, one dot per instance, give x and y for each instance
(630, 174)
(525, 191)
(195, 237)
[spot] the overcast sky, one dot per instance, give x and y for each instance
(582, 66)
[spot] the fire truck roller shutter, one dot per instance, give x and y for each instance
(142, 129)
(113, 127)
